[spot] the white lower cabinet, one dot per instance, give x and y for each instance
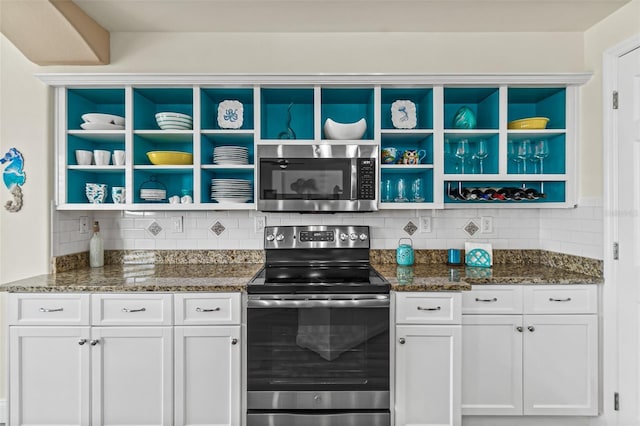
(427, 359)
(530, 363)
(67, 368)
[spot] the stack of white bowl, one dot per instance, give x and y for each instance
(174, 121)
(97, 121)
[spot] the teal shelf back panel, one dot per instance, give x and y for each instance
(554, 163)
(484, 102)
(390, 177)
(453, 163)
(555, 191)
(83, 101)
(210, 98)
(74, 143)
(209, 142)
(275, 109)
(77, 179)
(348, 105)
(538, 102)
(142, 145)
(421, 97)
(207, 175)
(148, 102)
(403, 142)
(175, 181)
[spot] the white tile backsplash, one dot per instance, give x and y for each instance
(577, 231)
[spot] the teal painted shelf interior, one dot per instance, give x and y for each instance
(77, 179)
(275, 105)
(553, 163)
(208, 174)
(83, 101)
(148, 102)
(483, 102)
(421, 97)
(208, 142)
(410, 141)
(453, 160)
(555, 191)
(409, 174)
(523, 102)
(210, 98)
(348, 105)
(174, 180)
(160, 142)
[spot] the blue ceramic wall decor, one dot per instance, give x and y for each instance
(13, 177)
(465, 118)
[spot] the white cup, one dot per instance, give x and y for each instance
(118, 195)
(186, 199)
(118, 157)
(83, 158)
(175, 199)
(101, 157)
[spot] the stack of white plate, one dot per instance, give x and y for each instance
(236, 155)
(97, 121)
(174, 121)
(153, 194)
(231, 190)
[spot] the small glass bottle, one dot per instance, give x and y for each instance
(96, 247)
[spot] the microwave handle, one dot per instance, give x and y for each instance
(354, 179)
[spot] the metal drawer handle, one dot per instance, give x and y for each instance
(531, 328)
(519, 329)
(127, 310)
(234, 341)
(94, 342)
(51, 310)
(207, 310)
(82, 341)
(495, 299)
(420, 308)
(551, 299)
(402, 340)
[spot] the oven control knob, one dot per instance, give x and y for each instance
(271, 237)
(353, 236)
(343, 236)
(363, 236)
(279, 237)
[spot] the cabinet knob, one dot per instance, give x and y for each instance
(519, 329)
(402, 340)
(94, 342)
(531, 328)
(82, 341)
(234, 341)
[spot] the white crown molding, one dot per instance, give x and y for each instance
(123, 79)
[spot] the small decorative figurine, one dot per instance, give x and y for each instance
(464, 119)
(13, 177)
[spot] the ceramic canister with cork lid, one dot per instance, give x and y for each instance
(404, 253)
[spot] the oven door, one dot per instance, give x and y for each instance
(318, 352)
(317, 178)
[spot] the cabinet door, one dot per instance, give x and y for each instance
(560, 364)
(49, 375)
(428, 375)
(207, 376)
(492, 365)
(132, 380)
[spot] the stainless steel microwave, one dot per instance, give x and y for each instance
(317, 178)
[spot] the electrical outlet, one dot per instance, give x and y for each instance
(84, 224)
(425, 224)
(260, 222)
(177, 224)
(486, 225)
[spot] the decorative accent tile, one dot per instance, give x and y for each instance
(410, 228)
(471, 228)
(218, 228)
(155, 228)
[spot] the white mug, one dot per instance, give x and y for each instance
(101, 157)
(83, 158)
(118, 157)
(174, 199)
(186, 199)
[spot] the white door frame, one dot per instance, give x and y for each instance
(610, 373)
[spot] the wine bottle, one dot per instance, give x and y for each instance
(534, 194)
(96, 247)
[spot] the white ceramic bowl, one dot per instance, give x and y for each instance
(174, 121)
(83, 158)
(344, 131)
(103, 118)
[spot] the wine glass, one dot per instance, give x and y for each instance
(417, 190)
(401, 191)
(513, 148)
(525, 153)
(463, 152)
(481, 153)
(541, 151)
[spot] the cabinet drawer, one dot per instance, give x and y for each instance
(492, 300)
(207, 308)
(573, 299)
(131, 309)
(431, 308)
(48, 309)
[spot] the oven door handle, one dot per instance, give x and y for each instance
(377, 301)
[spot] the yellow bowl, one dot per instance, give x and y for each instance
(529, 123)
(173, 158)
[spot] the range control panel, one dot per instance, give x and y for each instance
(316, 236)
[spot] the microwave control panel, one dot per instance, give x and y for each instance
(366, 178)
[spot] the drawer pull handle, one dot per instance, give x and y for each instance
(420, 308)
(94, 342)
(127, 310)
(207, 310)
(402, 340)
(519, 329)
(551, 299)
(234, 341)
(495, 299)
(51, 310)
(82, 341)
(531, 328)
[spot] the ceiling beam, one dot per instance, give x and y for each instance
(54, 32)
